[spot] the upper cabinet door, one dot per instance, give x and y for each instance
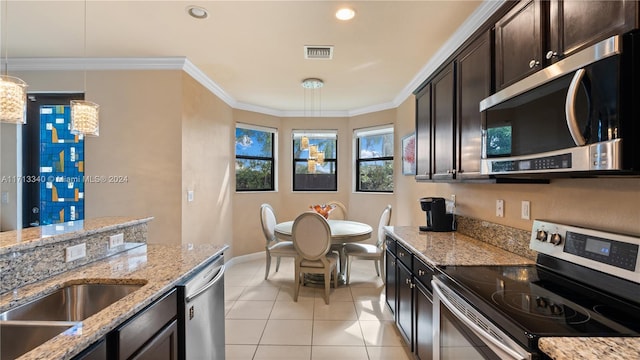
(473, 73)
(518, 43)
(574, 24)
(443, 102)
(423, 133)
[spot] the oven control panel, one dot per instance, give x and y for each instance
(612, 253)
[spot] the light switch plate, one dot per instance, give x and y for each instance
(525, 213)
(190, 195)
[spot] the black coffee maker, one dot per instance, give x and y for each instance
(437, 217)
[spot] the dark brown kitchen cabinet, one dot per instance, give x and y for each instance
(404, 303)
(423, 133)
(473, 74)
(390, 280)
(423, 317)
(574, 25)
(443, 110)
(519, 41)
(150, 334)
(535, 33)
(97, 351)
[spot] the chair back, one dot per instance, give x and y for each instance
(268, 221)
(339, 211)
(385, 220)
(311, 235)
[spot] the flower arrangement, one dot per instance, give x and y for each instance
(323, 209)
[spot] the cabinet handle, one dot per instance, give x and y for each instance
(421, 272)
(400, 254)
(412, 285)
(551, 54)
(533, 63)
(393, 263)
(407, 281)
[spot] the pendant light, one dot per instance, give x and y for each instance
(312, 86)
(13, 91)
(85, 114)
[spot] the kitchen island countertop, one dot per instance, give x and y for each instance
(159, 267)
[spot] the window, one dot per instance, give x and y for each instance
(255, 158)
(374, 159)
(315, 160)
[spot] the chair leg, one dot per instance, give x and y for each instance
(348, 270)
(335, 277)
(266, 271)
(327, 284)
(377, 263)
(277, 263)
(297, 285)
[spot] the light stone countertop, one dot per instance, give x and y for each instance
(590, 348)
(451, 248)
(161, 267)
(18, 240)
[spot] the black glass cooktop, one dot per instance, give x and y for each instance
(529, 302)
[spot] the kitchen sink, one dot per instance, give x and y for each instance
(20, 337)
(74, 302)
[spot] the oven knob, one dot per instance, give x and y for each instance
(556, 309)
(556, 239)
(541, 302)
(541, 235)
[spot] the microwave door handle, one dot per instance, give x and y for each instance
(570, 109)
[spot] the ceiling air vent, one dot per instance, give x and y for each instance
(318, 52)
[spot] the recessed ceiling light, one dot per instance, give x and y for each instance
(345, 14)
(197, 12)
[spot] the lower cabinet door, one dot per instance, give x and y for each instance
(423, 334)
(390, 281)
(404, 312)
(97, 351)
(163, 346)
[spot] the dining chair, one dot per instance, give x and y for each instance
(312, 239)
(273, 247)
(369, 251)
(339, 211)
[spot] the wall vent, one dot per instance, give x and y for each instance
(315, 52)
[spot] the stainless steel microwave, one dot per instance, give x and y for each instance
(577, 117)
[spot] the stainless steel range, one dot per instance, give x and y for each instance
(584, 283)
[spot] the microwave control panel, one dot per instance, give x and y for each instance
(562, 161)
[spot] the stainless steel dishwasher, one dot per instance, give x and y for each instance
(201, 313)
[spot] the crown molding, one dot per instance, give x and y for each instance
(473, 22)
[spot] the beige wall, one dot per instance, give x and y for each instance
(207, 158)
(8, 171)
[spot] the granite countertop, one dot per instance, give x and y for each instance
(451, 248)
(18, 240)
(590, 348)
(159, 267)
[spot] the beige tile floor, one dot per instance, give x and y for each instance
(263, 321)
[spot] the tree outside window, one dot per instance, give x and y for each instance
(255, 158)
(374, 159)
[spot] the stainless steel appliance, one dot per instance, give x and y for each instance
(575, 117)
(437, 217)
(585, 283)
(201, 313)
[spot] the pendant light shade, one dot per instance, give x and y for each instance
(13, 97)
(85, 117)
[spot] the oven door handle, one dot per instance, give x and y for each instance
(476, 329)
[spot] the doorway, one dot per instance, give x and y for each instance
(53, 162)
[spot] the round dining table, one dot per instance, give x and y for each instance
(342, 231)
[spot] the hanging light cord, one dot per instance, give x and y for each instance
(5, 41)
(84, 52)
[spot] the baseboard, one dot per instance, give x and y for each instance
(245, 258)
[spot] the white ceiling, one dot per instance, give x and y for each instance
(253, 50)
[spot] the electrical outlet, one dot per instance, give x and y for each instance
(190, 195)
(525, 213)
(500, 208)
(453, 199)
(75, 252)
(116, 240)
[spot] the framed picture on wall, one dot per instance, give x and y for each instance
(409, 154)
